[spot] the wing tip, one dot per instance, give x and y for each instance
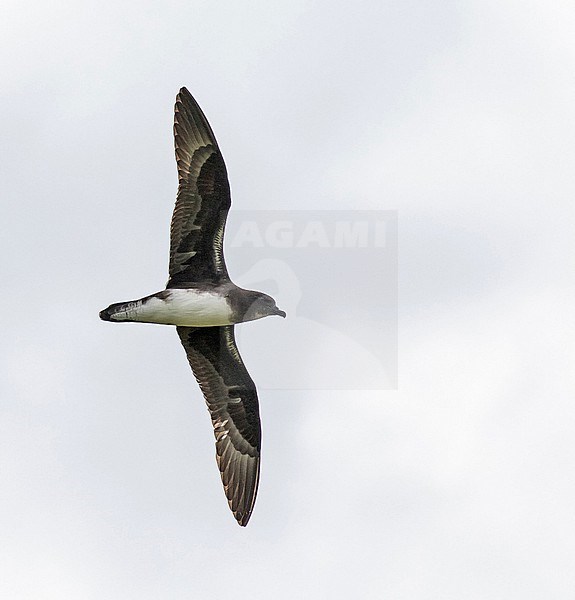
(241, 498)
(242, 519)
(188, 112)
(184, 98)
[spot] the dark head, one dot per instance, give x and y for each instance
(256, 305)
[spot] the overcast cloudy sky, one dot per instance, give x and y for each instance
(457, 485)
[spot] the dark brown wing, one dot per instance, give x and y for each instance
(203, 201)
(232, 401)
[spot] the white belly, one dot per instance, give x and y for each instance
(185, 307)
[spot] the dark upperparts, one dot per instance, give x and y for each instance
(198, 222)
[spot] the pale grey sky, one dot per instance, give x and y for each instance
(456, 114)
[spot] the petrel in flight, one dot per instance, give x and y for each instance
(204, 304)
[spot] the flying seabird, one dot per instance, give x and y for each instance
(204, 304)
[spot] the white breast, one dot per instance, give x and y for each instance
(185, 307)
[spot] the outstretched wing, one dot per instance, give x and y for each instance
(232, 401)
(203, 201)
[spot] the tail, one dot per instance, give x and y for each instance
(121, 311)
